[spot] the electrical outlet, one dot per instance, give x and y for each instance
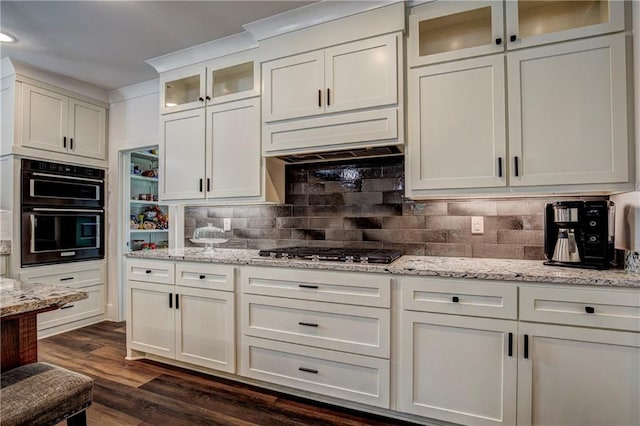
(226, 224)
(477, 225)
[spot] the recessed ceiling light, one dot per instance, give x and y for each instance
(6, 38)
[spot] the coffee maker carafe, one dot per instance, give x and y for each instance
(579, 234)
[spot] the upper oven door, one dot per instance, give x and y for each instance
(47, 189)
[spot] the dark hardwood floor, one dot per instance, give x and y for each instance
(150, 393)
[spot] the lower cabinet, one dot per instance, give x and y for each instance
(184, 322)
(578, 376)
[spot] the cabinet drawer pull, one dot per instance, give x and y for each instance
(516, 169)
(526, 346)
(319, 97)
(589, 309)
(498, 41)
(308, 370)
(307, 286)
(513, 38)
(67, 307)
(499, 166)
(148, 271)
(510, 344)
(202, 277)
(308, 324)
(455, 299)
(171, 300)
(177, 301)
(328, 97)
(66, 278)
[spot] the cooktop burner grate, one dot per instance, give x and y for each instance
(333, 254)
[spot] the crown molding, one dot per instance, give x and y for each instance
(203, 52)
(310, 15)
(137, 90)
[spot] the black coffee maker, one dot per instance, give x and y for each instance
(579, 234)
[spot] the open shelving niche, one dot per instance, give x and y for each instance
(144, 160)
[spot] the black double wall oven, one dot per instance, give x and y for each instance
(63, 214)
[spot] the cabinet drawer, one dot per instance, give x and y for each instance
(202, 275)
(94, 305)
(324, 286)
(79, 275)
(356, 329)
(461, 297)
(583, 307)
(347, 376)
(152, 271)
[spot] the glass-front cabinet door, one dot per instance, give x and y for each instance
(182, 89)
(233, 77)
(530, 23)
(449, 30)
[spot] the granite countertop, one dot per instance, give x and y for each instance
(5, 247)
(454, 267)
(17, 297)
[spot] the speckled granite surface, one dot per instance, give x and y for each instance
(5, 247)
(456, 267)
(17, 297)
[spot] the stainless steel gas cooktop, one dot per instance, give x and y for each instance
(348, 255)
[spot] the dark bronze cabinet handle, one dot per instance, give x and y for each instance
(200, 185)
(208, 98)
(307, 286)
(499, 166)
(208, 184)
(171, 300)
(526, 346)
(201, 99)
(71, 143)
(202, 277)
(308, 324)
(308, 370)
(510, 344)
(498, 41)
(66, 279)
(67, 307)
(64, 142)
(148, 271)
(177, 301)
(513, 38)
(516, 169)
(319, 97)
(589, 309)
(455, 299)
(328, 97)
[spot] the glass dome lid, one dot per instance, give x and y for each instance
(209, 235)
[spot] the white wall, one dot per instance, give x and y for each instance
(134, 122)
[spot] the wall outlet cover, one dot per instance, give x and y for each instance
(226, 224)
(477, 225)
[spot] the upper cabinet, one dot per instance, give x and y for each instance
(222, 80)
(444, 31)
(351, 76)
(339, 97)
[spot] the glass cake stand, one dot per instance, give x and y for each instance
(209, 236)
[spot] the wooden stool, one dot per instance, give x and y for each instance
(43, 394)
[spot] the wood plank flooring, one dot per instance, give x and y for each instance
(150, 393)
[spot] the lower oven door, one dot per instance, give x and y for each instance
(52, 235)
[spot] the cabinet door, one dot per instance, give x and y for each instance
(568, 113)
(44, 124)
(457, 124)
(293, 86)
(234, 155)
(458, 369)
(205, 329)
(578, 376)
(182, 89)
(361, 74)
(87, 129)
(182, 155)
(531, 23)
(446, 30)
(151, 318)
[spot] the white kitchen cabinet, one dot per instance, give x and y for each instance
(87, 276)
(442, 31)
(55, 122)
(457, 125)
(455, 365)
(223, 79)
(193, 323)
(568, 113)
(215, 153)
(356, 75)
(459, 369)
(577, 376)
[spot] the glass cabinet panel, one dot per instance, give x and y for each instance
(543, 17)
(234, 79)
(182, 91)
(454, 32)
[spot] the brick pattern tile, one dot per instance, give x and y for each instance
(360, 203)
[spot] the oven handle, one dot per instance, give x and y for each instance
(67, 177)
(43, 209)
(33, 233)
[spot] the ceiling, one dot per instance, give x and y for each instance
(106, 42)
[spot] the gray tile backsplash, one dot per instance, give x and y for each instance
(361, 204)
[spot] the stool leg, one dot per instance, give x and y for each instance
(79, 419)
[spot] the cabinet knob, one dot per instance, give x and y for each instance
(202, 277)
(201, 99)
(208, 98)
(513, 38)
(455, 299)
(589, 309)
(498, 41)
